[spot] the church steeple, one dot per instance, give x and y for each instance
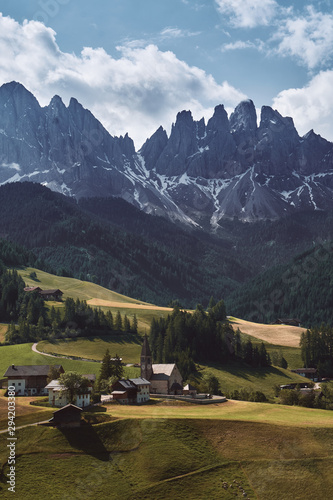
(146, 360)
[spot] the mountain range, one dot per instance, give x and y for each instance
(201, 174)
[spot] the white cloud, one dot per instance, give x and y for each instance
(241, 45)
(170, 32)
(248, 13)
(135, 93)
(309, 38)
(311, 106)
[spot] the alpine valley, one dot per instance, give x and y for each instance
(244, 197)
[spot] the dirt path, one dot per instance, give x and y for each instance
(60, 356)
(34, 348)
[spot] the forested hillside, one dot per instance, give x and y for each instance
(301, 289)
(161, 264)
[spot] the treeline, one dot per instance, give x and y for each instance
(79, 320)
(15, 303)
(317, 349)
(187, 338)
(322, 399)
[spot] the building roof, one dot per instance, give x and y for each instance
(162, 371)
(69, 407)
(305, 370)
(140, 381)
(119, 393)
(32, 288)
(55, 385)
(29, 370)
(189, 387)
(126, 384)
(145, 351)
(51, 292)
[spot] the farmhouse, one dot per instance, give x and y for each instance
(163, 378)
(68, 416)
(58, 396)
(310, 373)
(288, 321)
(53, 294)
(131, 391)
(29, 380)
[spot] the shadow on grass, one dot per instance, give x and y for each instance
(86, 439)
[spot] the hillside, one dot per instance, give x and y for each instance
(163, 264)
(300, 289)
(160, 457)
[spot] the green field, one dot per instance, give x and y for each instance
(127, 346)
(240, 376)
(176, 458)
(21, 354)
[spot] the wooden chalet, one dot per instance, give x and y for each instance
(53, 294)
(131, 391)
(311, 373)
(29, 380)
(67, 417)
(288, 321)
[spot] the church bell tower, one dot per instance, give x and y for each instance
(146, 360)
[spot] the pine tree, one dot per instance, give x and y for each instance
(118, 322)
(106, 368)
(127, 325)
(134, 324)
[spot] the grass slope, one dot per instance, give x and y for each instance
(127, 346)
(175, 458)
(95, 295)
(282, 335)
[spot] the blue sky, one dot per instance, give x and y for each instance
(136, 63)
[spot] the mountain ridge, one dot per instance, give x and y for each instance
(199, 175)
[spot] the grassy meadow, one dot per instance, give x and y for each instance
(232, 450)
(127, 346)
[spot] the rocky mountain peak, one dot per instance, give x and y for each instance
(244, 118)
(199, 175)
(219, 121)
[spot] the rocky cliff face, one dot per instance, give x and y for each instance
(229, 167)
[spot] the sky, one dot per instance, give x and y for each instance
(136, 63)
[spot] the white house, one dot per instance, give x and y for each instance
(58, 396)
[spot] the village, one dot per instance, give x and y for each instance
(160, 380)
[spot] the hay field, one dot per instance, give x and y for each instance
(282, 335)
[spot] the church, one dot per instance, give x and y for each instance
(164, 378)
